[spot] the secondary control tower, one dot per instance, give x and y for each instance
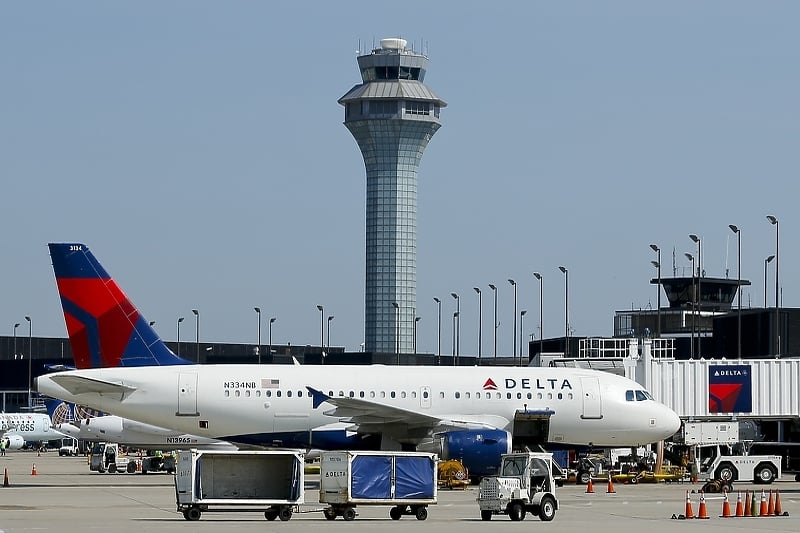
(392, 116)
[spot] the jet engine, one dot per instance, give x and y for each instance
(478, 450)
(13, 442)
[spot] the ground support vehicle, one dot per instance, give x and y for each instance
(763, 469)
(268, 481)
(525, 484)
(405, 480)
(106, 457)
(158, 463)
(68, 446)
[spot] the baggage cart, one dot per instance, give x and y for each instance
(404, 480)
(270, 481)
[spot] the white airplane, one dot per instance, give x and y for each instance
(87, 424)
(473, 412)
(18, 428)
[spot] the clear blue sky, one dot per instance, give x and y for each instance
(198, 149)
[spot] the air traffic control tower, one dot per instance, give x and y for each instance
(392, 116)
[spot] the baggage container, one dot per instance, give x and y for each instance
(404, 480)
(269, 481)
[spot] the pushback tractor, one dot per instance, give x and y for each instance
(524, 485)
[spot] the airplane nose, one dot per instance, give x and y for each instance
(670, 421)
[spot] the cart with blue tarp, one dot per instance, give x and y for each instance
(404, 480)
(268, 481)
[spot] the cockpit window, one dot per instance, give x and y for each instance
(637, 395)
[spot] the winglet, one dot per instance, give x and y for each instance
(317, 397)
(105, 328)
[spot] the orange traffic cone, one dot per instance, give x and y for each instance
(778, 509)
(726, 506)
(748, 509)
(689, 513)
(589, 487)
(610, 489)
(5, 478)
(762, 511)
(33, 470)
(770, 505)
(139, 465)
(739, 506)
(702, 511)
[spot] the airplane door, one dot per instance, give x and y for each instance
(187, 395)
(425, 397)
(592, 407)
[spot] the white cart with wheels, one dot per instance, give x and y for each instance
(217, 481)
(404, 480)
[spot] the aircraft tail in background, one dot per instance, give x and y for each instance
(105, 329)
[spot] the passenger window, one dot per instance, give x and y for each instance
(258, 394)
(549, 395)
(392, 394)
(361, 394)
(508, 395)
(403, 394)
(247, 393)
(288, 394)
(425, 395)
(269, 394)
(569, 395)
(457, 395)
(341, 394)
(227, 394)
(413, 394)
(352, 394)
(237, 393)
(519, 396)
(530, 396)
(499, 395)
(441, 395)
(560, 396)
(330, 393)
(539, 395)
(478, 395)
(466, 395)
(278, 394)
(383, 394)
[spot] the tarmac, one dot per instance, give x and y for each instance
(65, 496)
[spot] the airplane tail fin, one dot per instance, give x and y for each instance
(105, 329)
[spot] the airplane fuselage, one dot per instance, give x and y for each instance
(271, 404)
(32, 427)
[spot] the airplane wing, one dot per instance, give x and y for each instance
(82, 385)
(371, 417)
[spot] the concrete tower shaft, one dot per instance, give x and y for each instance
(392, 115)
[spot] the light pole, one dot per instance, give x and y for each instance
(480, 316)
(774, 221)
(15, 339)
(514, 318)
(738, 233)
(538, 276)
(397, 331)
(690, 257)
(766, 262)
(455, 317)
(438, 331)
(330, 319)
(258, 312)
(566, 309)
(196, 314)
(178, 342)
(657, 264)
(321, 329)
(30, 358)
(269, 350)
(698, 305)
(494, 289)
(521, 334)
(416, 321)
(458, 324)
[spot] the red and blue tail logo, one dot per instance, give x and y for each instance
(105, 329)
